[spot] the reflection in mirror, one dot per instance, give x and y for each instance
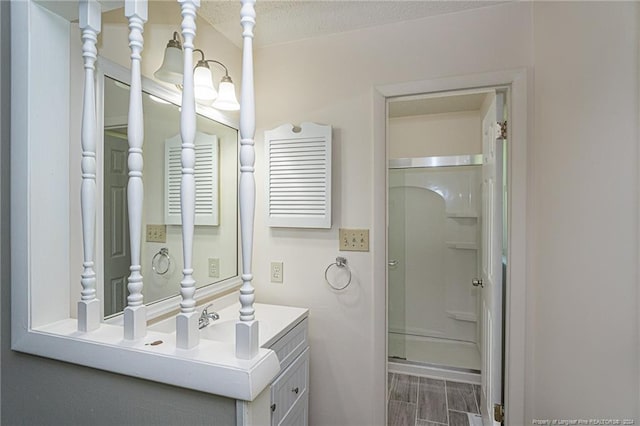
(215, 239)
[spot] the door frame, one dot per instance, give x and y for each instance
(515, 292)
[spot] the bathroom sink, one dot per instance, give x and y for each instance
(274, 322)
(224, 329)
(221, 330)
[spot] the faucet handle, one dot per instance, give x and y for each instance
(205, 310)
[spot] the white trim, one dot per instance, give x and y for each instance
(515, 315)
(434, 372)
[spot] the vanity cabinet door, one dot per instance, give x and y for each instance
(292, 344)
(298, 416)
(289, 389)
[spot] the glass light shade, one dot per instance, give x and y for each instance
(203, 85)
(226, 100)
(171, 69)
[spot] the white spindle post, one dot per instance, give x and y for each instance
(247, 328)
(135, 314)
(89, 306)
(187, 333)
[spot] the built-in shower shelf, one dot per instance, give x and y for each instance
(462, 316)
(461, 246)
(462, 215)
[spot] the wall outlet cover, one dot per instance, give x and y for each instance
(214, 267)
(277, 272)
(354, 239)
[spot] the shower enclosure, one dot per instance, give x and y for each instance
(434, 257)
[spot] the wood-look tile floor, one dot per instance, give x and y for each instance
(422, 401)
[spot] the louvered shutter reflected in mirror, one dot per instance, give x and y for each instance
(206, 176)
(299, 176)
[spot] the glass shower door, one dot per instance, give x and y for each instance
(396, 267)
(433, 258)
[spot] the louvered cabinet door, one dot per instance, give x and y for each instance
(299, 176)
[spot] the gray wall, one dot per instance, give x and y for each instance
(5, 117)
(37, 391)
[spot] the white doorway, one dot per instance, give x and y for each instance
(446, 251)
(514, 84)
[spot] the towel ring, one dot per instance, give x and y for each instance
(340, 262)
(155, 262)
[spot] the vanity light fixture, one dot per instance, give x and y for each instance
(171, 69)
(171, 72)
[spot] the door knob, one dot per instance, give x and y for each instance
(477, 283)
(393, 263)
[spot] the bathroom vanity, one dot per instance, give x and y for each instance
(288, 393)
(282, 329)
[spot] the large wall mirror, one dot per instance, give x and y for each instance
(216, 233)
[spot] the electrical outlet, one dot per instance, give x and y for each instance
(214, 267)
(276, 272)
(156, 233)
(354, 239)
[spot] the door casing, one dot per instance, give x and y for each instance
(515, 300)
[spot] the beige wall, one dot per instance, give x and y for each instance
(584, 212)
(582, 327)
(456, 133)
(330, 80)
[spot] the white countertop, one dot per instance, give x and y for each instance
(214, 358)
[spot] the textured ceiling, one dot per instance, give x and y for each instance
(285, 21)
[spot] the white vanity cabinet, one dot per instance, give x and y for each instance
(289, 390)
(285, 401)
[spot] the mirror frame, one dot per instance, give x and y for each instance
(155, 310)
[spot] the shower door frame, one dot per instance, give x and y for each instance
(515, 300)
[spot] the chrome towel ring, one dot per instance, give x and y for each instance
(340, 262)
(157, 263)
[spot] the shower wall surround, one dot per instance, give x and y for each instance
(433, 235)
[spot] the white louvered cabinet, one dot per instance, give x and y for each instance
(299, 176)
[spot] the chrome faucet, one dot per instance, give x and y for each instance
(206, 317)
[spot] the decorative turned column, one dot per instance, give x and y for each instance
(247, 328)
(187, 333)
(90, 15)
(135, 314)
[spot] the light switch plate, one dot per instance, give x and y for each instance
(354, 239)
(156, 233)
(276, 272)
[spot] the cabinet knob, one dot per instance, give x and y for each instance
(295, 390)
(273, 407)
